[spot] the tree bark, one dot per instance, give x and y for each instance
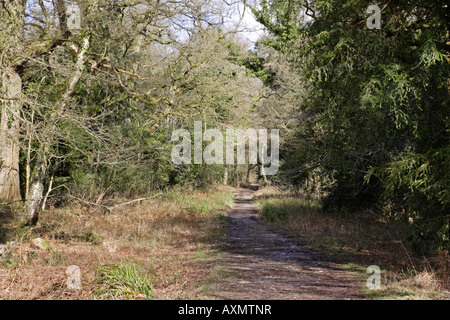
(9, 135)
(11, 105)
(34, 199)
(225, 176)
(50, 186)
(263, 173)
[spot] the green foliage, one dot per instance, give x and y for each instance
(375, 118)
(124, 281)
(197, 176)
(280, 209)
(100, 104)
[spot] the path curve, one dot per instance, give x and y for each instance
(261, 264)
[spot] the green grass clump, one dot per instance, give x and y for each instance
(280, 209)
(124, 281)
(203, 206)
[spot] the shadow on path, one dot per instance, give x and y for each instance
(264, 265)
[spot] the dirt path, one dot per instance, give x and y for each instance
(262, 264)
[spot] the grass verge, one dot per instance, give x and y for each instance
(358, 241)
(160, 249)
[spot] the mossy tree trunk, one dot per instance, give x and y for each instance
(11, 105)
(35, 195)
(9, 136)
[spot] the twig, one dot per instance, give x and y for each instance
(409, 257)
(3, 203)
(87, 202)
(111, 209)
(141, 199)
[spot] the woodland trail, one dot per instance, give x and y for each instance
(261, 264)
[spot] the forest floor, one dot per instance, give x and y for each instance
(219, 243)
(161, 248)
(283, 245)
(263, 264)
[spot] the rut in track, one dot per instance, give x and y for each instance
(262, 264)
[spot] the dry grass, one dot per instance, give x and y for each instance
(162, 237)
(359, 241)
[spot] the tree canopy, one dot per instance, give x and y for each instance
(91, 95)
(374, 120)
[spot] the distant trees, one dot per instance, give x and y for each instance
(88, 105)
(89, 110)
(373, 125)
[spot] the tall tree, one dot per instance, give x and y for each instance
(374, 121)
(12, 22)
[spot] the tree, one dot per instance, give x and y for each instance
(90, 104)
(374, 121)
(12, 23)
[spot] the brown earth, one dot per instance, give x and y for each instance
(261, 264)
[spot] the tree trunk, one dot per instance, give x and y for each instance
(50, 186)
(225, 176)
(35, 196)
(9, 135)
(249, 168)
(11, 105)
(34, 199)
(263, 173)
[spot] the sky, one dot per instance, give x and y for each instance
(252, 30)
